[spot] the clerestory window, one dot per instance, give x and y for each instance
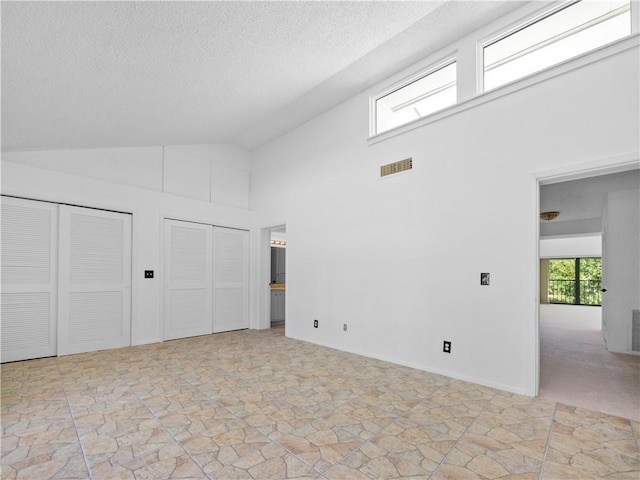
(433, 90)
(566, 32)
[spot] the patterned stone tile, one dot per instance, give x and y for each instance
(373, 461)
(458, 416)
(508, 438)
(276, 419)
(111, 397)
(421, 444)
(635, 426)
(23, 404)
(202, 407)
(362, 419)
(268, 462)
(321, 444)
(591, 444)
(44, 460)
(195, 420)
(24, 422)
(157, 384)
(187, 400)
(121, 446)
(453, 472)
(116, 422)
(223, 442)
(457, 392)
(170, 462)
(39, 440)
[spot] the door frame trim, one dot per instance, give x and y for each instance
(565, 173)
(264, 290)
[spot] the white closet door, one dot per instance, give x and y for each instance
(231, 279)
(29, 303)
(94, 282)
(187, 310)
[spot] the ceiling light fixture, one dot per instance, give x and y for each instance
(548, 216)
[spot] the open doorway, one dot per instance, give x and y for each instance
(272, 278)
(585, 356)
(278, 277)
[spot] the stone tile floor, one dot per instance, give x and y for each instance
(256, 405)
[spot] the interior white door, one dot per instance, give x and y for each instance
(188, 279)
(231, 279)
(94, 282)
(29, 255)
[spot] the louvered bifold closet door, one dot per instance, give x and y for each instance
(231, 279)
(187, 309)
(29, 303)
(94, 311)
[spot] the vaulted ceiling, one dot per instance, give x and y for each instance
(115, 74)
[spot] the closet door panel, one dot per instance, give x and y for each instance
(188, 279)
(231, 279)
(28, 300)
(94, 280)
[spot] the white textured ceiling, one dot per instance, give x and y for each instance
(115, 74)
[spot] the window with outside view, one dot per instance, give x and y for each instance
(575, 281)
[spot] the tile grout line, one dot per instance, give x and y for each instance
(223, 406)
(166, 430)
(235, 415)
(276, 442)
(635, 436)
(75, 427)
(462, 435)
(366, 442)
(546, 448)
(312, 391)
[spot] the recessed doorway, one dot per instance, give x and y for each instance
(273, 277)
(585, 351)
(278, 277)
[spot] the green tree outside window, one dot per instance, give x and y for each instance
(576, 281)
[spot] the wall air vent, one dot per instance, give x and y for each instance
(396, 167)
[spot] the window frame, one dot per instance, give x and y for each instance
(577, 297)
(470, 70)
(523, 23)
(408, 80)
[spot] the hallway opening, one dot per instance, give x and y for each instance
(576, 368)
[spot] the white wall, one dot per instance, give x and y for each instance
(399, 259)
(622, 267)
(571, 247)
(138, 167)
(147, 205)
(587, 226)
(218, 174)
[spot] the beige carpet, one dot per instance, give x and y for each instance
(576, 368)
